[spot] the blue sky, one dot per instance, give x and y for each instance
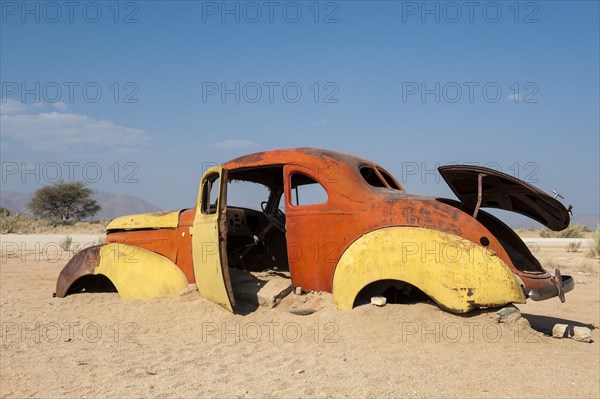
(514, 85)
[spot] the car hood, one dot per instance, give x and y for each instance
(503, 191)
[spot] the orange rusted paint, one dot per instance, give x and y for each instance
(161, 241)
(317, 235)
(184, 244)
(174, 244)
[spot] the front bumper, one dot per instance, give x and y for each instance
(558, 287)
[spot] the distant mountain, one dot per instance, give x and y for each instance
(591, 221)
(113, 205)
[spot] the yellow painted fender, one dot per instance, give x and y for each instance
(456, 273)
(158, 220)
(138, 273)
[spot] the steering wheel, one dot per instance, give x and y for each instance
(274, 218)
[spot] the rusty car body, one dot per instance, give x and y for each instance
(364, 235)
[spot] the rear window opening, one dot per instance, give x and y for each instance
(389, 180)
(381, 179)
(395, 291)
(371, 177)
(307, 191)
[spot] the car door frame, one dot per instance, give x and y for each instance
(209, 241)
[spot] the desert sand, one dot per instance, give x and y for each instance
(97, 345)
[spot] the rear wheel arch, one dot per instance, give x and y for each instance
(477, 278)
(395, 291)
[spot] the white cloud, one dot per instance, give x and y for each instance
(60, 106)
(320, 122)
(64, 130)
(10, 106)
(234, 145)
(515, 97)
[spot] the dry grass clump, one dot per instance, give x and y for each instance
(589, 266)
(17, 223)
(595, 251)
(572, 231)
(66, 243)
(573, 246)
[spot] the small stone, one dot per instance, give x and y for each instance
(508, 314)
(560, 331)
(273, 292)
(582, 334)
(298, 290)
(300, 372)
(378, 301)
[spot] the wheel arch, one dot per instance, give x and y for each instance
(135, 272)
(454, 272)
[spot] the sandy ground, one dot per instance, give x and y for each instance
(97, 345)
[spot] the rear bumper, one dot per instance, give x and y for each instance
(551, 290)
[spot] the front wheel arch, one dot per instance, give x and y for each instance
(135, 272)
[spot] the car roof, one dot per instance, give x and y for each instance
(297, 156)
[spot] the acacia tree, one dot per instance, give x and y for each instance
(64, 202)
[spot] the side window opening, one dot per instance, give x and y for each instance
(389, 179)
(307, 191)
(210, 194)
(371, 177)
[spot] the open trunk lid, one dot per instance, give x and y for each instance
(478, 187)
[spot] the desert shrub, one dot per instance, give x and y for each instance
(572, 231)
(65, 244)
(9, 223)
(595, 251)
(587, 266)
(573, 246)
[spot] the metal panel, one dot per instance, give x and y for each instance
(457, 274)
(159, 220)
(209, 243)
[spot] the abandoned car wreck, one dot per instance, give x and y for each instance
(331, 222)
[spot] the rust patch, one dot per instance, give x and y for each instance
(83, 263)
